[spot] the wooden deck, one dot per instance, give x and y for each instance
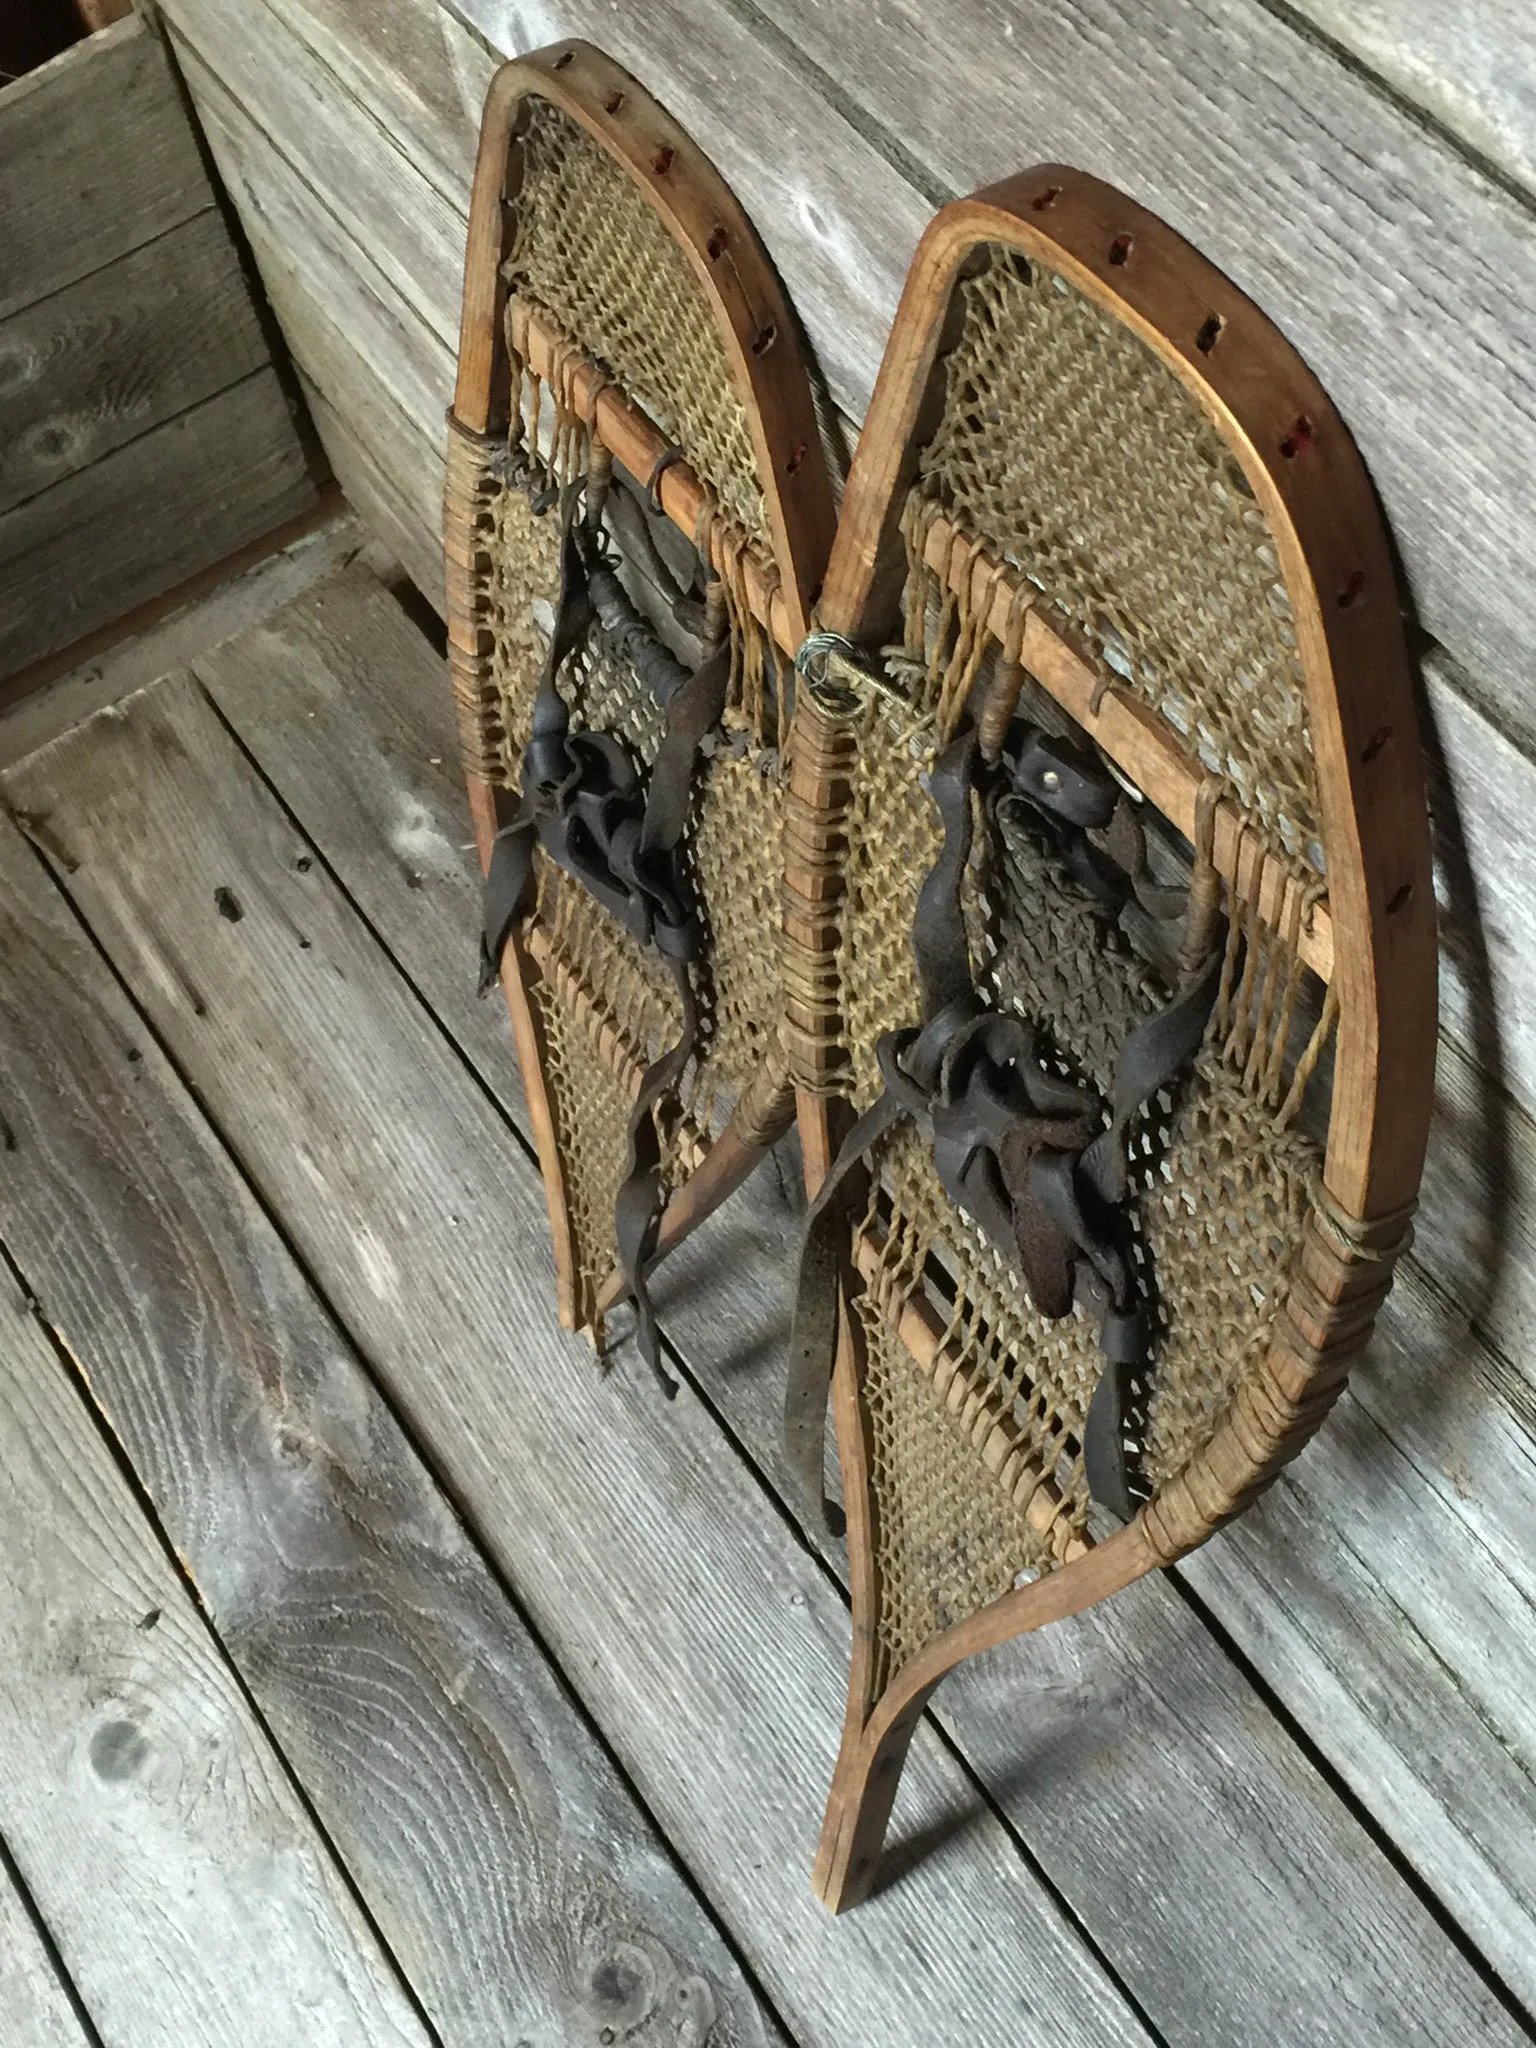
(374, 1670)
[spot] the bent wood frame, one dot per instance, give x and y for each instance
(1375, 943)
(760, 339)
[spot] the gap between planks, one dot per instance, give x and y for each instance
(419, 1715)
(133, 1758)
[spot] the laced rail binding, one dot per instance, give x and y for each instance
(636, 512)
(1109, 972)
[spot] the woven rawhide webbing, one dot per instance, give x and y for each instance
(636, 508)
(1109, 936)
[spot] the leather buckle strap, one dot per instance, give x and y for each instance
(1038, 1162)
(583, 799)
(618, 832)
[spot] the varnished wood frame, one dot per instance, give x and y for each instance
(767, 369)
(1308, 479)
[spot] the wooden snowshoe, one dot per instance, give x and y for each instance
(1111, 942)
(637, 514)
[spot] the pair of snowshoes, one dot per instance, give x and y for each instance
(1044, 834)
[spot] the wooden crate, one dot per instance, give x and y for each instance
(144, 433)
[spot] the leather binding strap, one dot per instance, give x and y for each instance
(619, 833)
(1039, 1162)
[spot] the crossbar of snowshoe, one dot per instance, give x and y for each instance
(1140, 743)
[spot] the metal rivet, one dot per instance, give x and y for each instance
(1050, 779)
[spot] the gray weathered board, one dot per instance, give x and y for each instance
(143, 434)
(472, 1808)
(146, 517)
(33, 1997)
(104, 360)
(141, 657)
(360, 773)
(376, 490)
(1470, 69)
(96, 157)
(175, 1866)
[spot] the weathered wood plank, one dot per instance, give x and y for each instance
(703, 1637)
(89, 548)
(1472, 68)
(472, 1808)
(96, 157)
(125, 349)
(377, 373)
(1131, 1708)
(37, 2008)
(1430, 1721)
(1369, 240)
(314, 270)
(1487, 885)
(168, 643)
(378, 379)
(424, 76)
(278, 96)
(410, 527)
(347, 710)
(212, 1911)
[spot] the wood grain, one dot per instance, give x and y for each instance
(1481, 801)
(312, 126)
(144, 656)
(1130, 1726)
(415, 68)
(96, 157)
(377, 379)
(213, 1912)
(88, 549)
(345, 707)
(1473, 70)
(32, 1994)
(360, 452)
(704, 1639)
(472, 1807)
(125, 349)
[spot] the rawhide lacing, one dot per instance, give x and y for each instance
(1038, 1160)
